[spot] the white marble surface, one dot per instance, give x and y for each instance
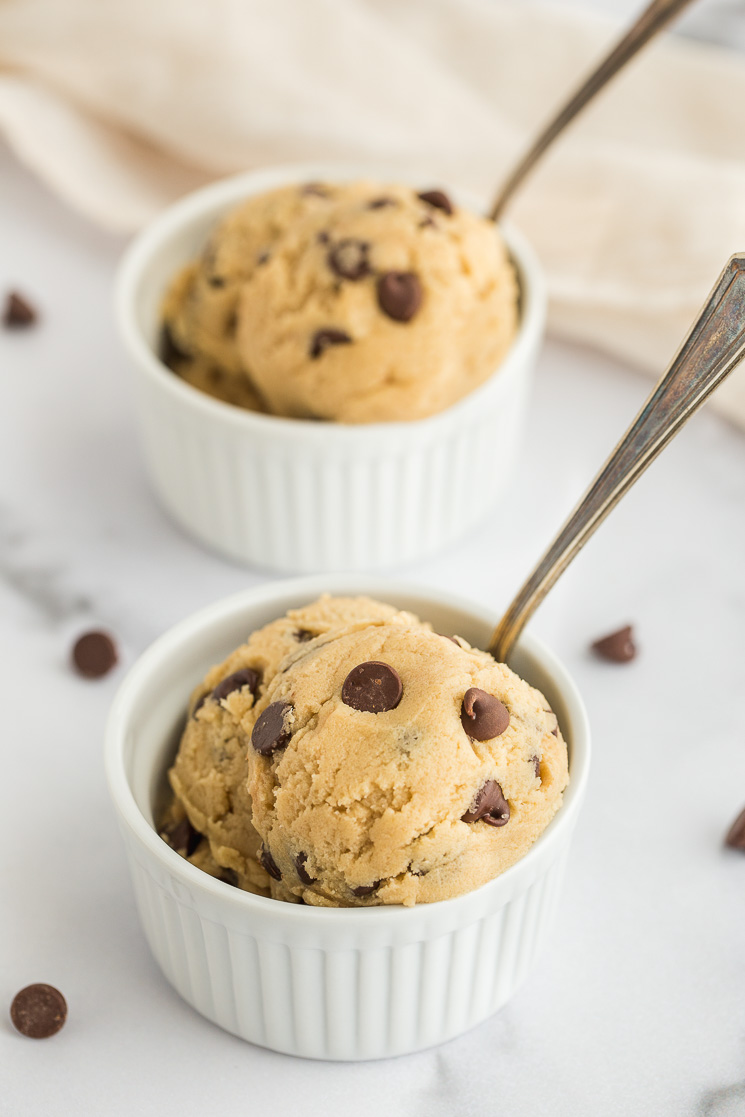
(638, 1005)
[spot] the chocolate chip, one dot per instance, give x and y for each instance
(94, 654)
(38, 1011)
(303, 636)
(168, 351)
(315, 188)
(618, 647)
(399, 295)
(438, 199)
(302, 872)
(536, 762)
(381, 203)
(236, 681)
(216, 281)
(324, 339)
(262, 258)
(270, 731)
(489, 805)
(269, 863)
(200, 702)
(736, 834)
(323, 237)
(452, 639)
(348, 258)
(182, 837)
(555, 730)
(18, 312)
(427, 223)
(372, 687)
(482, 715)
(366, 889)
(229, 876)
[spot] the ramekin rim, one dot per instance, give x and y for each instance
(306, 587)
(133, 267)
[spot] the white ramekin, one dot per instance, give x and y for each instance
(294, 495)
(352, 983)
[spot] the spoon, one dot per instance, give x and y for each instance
(714, 346)
(653, 19)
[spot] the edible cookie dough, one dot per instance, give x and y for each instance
(209, 819)
(390, 764)
(357, 303)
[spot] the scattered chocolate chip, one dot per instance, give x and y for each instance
(324, 339)
(229, 876)
(536, 762)
(372, 687)
(200, 702)
(366, 889)
(303, 636)
(736, 834)
(489, 805)
(348, 258)
(38, 1011)
(269, 863)
(618, 647)
(555, 730)
(182, 837)
(270, 731)
(315, 188)
(482, 715)
(236, 681)
(381, 203)
(216, 281)
(438, 199)
(168, 351)
(302, 872)
(399, 295)
(94, 654)
(18, 312)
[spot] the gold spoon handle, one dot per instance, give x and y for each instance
(652, 20)
(714, 346)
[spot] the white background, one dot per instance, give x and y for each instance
(638, 1006)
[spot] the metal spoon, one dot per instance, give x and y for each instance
(712, 349)
(653, 19)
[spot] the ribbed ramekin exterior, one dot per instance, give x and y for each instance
(354, 503)
(350, 1000)
(293, 495)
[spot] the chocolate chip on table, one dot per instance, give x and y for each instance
(489, 805)
(438, 199)
(302, 872)
(182, 837)
(366, 889)
(736, 834)
(618, 647)
(381, 203)
(372, 687)
(18, 312)
(349, 258)
(324, 339)
(236, 681)
(94, 654)
(269, 863)
(168, 351)
(38, 1011)
(482, 715)
(270, 731)
(399, 295)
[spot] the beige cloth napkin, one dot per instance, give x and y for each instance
(123, 105)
